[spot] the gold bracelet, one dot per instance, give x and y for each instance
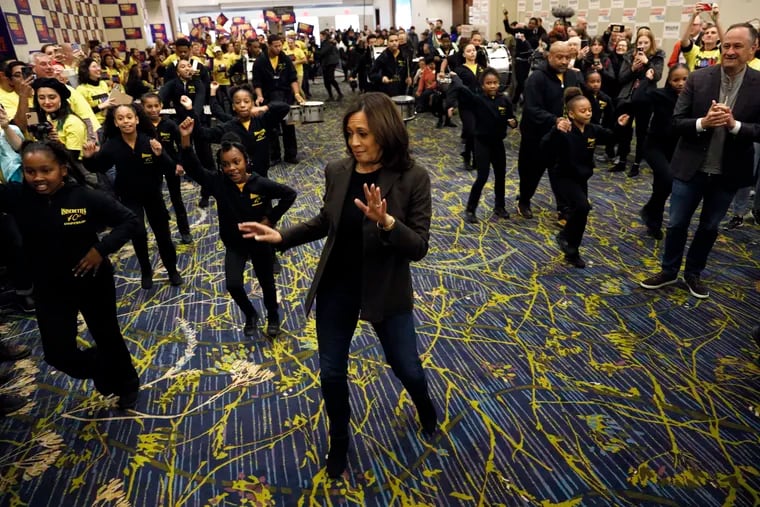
(388, 228)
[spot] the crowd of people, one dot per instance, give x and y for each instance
(87, 143)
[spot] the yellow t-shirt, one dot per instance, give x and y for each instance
(220, 76)
(697, 58)
(274, 61)
(95, 95)
(9, 100)
(473, 68)
(73, 132)
(297, 54)
(754, 64)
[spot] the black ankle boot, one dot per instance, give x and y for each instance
(633, 171)
(337, 457)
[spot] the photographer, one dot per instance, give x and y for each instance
(57, 122)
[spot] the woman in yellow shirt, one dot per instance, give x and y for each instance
(93, 89)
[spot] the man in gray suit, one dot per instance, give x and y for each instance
(718, 119)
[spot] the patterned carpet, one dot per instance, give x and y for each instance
(558, 386)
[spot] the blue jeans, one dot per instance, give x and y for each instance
(337, 314)
(716, 198)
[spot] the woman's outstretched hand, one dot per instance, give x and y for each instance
(260, 232)
(376, 207)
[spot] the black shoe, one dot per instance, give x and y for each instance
(250, 324)
(291, 160)
(146, 281)
(186, 238)
(337, 457)
(633, 171)
(654, 232)
(175, 279)
(203, 202)
(12, 352)
(696, 287)
(470, 217)
(6, 377)
(736, 221)
(661, 279)
(501, 212)
(575, 260)
(617, 168)
(128, 400)
(439, 124)
(568, 250)
(448, 123)
(273, 324)
(10, 404)
(524, 211)
(26, 303)
(275, 161)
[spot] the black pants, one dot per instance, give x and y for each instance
(531, 165)
(430, 100)
(305, 80)
(151, 205)
(289, 143)
(489, 152)
(328, 73)
(658, 157)
(642, 117)
(173, 183)
(12, 253)
(261, 257)
(57, 305)
(574, 195)
(522, 69)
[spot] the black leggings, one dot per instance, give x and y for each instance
(173, 183)
(658, 157)
(328, 73)
(151, 205)
(489, 152)
(110, 364)
(642, 117)
(261, 257)
(574, 196)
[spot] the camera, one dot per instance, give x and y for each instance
(41, 130)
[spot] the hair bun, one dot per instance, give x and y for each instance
(572, 92)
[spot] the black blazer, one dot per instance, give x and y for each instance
(386, 278)
(702, 87)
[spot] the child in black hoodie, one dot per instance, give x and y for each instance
(59, 221)
(241, 197)
(571, 144)
(494, 114)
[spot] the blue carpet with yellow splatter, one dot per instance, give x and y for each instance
(557, 386)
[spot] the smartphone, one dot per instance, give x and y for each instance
(584, 43)
(617, 27)
(27, 72)
(32, 118)
(704, 7)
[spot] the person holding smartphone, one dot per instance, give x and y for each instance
(706, 51)
(94, 90)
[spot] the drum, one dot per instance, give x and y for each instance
(313, 112)
(294, 116)
(405, 105)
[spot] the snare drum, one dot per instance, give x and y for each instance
(405, 104)
(313, 112)
(294, 116)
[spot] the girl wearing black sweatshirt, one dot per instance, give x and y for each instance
(168, 134)
(469, 72)
(494, 113)
(241, 197)
(571, 144)
(59, 221)
(660, 145)
(140, 164)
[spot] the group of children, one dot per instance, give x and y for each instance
(60, 219)
(590, 119)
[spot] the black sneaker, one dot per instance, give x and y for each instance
(175, 279)
(633, 171)
(128, 400)
(250, 324)
(146, 281)
(470, 217)
(524, 211)
(661, 279)
(11, 352)
(273, 324)
(10, 404)
(736, 221)
(575, 260)
(617, 168)
(186, 238)
(26, 303)
(696, 287)
(501, 212)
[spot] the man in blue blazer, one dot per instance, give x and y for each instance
(718, 118)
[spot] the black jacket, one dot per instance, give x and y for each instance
(275, 84)
(138, 171)
(253, 203)
(255, 138)
(572, 153)
(174, 89)
(395, 68)
(59, 229)
(544, 100)
(662, 101)
(168, 134)
(603, 110)
(493, 114)
(328, 54)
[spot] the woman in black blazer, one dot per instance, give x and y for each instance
(376, 217)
